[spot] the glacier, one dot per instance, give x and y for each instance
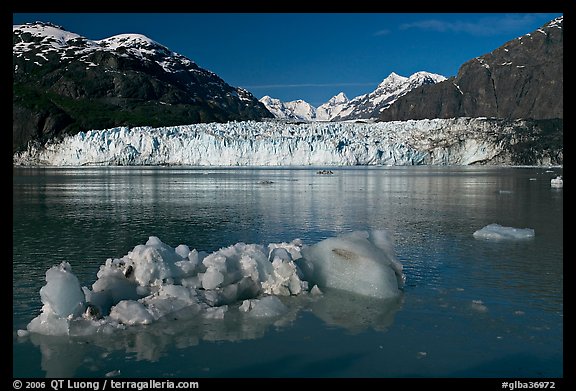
(455, 141)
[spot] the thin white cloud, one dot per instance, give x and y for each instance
(314, 85)
(484, 26)
(382, 32)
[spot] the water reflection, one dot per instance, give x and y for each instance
(62, 356)
(86, 215)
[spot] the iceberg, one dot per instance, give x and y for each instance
(498, 232)
(557, 182)
(156, 282)
(359, 262)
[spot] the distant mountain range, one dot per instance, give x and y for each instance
(340, 108)
(64, 83)
(521, 79)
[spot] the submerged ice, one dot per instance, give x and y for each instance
(154, 281)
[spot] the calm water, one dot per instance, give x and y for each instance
(470, 308)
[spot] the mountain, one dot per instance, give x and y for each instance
(521, 79)
(453, 141)
(294, 110)
(64, 83)
(332, 108)
(340, 108)
(392, 87)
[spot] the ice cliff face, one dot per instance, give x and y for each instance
(459, 141)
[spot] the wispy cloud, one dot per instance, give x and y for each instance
(313, 85)
(484, 26)
(382, 32)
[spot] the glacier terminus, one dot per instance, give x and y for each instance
(454, 141)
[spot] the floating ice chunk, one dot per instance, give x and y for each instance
(216, 312)
(212, 278)
(268, 306)
(182, 250)
(478, 305)
(131, 312)
(557, 182)
(245, 306)
(187, 266)
(49, 324)
(62, 294)
(286, 276)
(498, 232)
(111, 287)
(315, 291)
(149, 266)
(360, 262)
(170, 299)
(155, 281)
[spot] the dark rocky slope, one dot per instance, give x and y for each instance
(64, 83)
(521, 79)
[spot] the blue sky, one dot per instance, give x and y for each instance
(311, 56)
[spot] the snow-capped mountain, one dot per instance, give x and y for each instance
(332, 108)
(64, 82)
(521, 79)
(370, 105)
(294, 110)
(367, 106)
(455, 141)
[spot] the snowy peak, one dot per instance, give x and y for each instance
(136, 44)
(369, 106)
(294, 110)
(332, 108)
(340, 108)
(46, 42)
(392, 82)
(41, 32)
(338, 99)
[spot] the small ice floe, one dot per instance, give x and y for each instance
(269, 306)
(479, 306)
(420, 355)
(498, 232)
(315, 291)
(22, 333)
(557, 182)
